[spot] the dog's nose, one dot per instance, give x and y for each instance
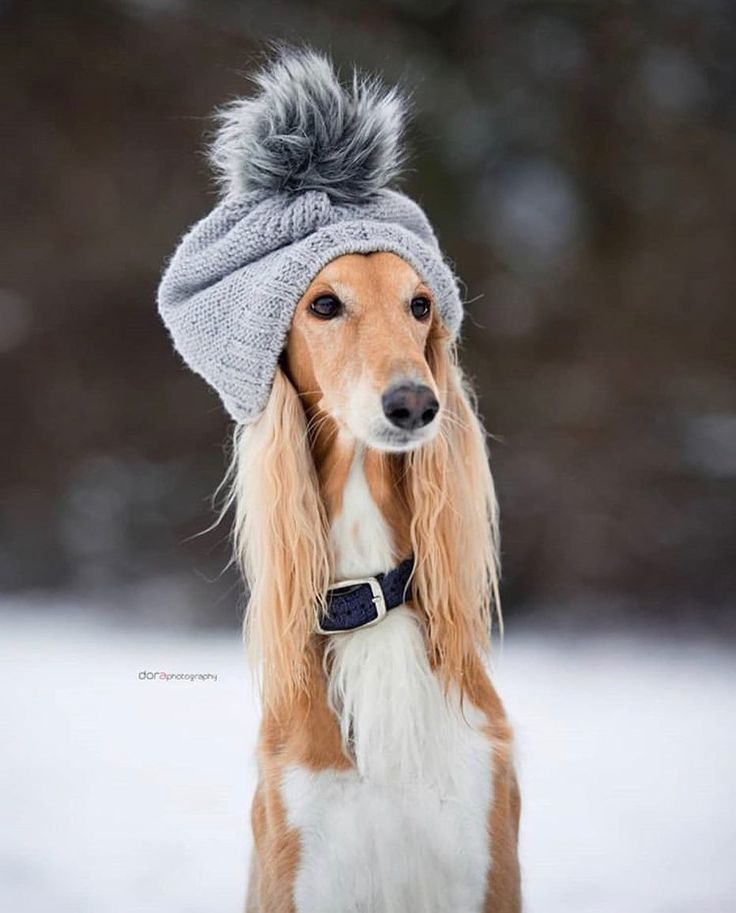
(409, 406)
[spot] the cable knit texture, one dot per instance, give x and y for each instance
(229, 292)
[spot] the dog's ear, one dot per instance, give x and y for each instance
(281, 540)
(454, 528)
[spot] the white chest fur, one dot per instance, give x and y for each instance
(407, 830)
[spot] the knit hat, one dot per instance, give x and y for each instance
(305, 167)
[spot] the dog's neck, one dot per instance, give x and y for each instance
(389, 704)
(365, 503)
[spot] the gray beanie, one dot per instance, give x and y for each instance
(305, 166)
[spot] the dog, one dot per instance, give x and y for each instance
(316, 301)
(385, 770)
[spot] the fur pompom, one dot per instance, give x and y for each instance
(305, 130)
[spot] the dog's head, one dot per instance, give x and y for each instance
(367, 357)
(359, 351)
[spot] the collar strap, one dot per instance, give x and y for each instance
(364, 601)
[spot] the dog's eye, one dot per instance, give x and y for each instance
(326, 307)
(420, 307)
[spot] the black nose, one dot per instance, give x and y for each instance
(409, 406)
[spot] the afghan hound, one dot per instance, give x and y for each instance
(385, 772)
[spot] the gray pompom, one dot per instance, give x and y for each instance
(305, 130)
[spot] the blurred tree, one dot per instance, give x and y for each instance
(578, 162)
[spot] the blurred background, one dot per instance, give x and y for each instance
(578, 160)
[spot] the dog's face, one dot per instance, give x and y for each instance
(357, 350)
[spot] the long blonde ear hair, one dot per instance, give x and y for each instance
(280, 540)
(454, 525)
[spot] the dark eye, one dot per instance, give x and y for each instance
(420, 307)
(326, 307)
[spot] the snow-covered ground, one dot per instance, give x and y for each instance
(124, 794)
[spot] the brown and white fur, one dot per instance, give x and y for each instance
(386, 782)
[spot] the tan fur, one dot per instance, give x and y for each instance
(289, 474)
(281, 542)
(379, 341)
(454, 528)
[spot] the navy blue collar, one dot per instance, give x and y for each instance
(364, 601)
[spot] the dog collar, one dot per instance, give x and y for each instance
(364, 601)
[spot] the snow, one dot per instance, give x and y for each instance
(122, 794)
(627, 760)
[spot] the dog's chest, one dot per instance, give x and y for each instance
(371, 847)
(403, 835)
(407, 829)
